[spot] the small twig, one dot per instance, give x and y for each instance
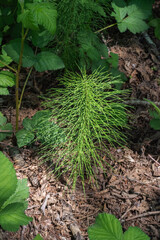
(141, 215)
(34, 206)
(6, 131)
(45, 203)
(140, 102)
(134, 180)
(153, 159)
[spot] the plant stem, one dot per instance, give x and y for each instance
(20, 100)
(102, 29)
(14, 70)
(17, 75)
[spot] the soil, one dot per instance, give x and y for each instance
(131, 192)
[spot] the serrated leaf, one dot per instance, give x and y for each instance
(20, 195)
(7, 127)
(7, 79)
(8, 179)
(113, 60)
(132, 17)
(38, 237)
(24, 137)
(41, 39)
(44, 14)
(6, 59)
(155, 124)
(134, 25)
(13, 50)
(13, 216)
(28, 124)
(27, 20)
(106, 227)
(3, 119)
(4, 91)
(135, 233)
(40, 116)
(120, 9)
(48, 61)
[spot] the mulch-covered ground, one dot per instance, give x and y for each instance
(131, 191)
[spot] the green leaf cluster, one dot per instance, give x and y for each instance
(40, 128)
(7, 79)
(155, 121)
(91, 112)
(4, 126)
(108, 227)
(13, 195)
(76, 18)
(132, 14)
(156, 24)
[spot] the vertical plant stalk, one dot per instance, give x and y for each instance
(17, 75)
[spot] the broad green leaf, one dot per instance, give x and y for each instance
(8, 179)
(134, 24)
(13, 50)
(132, 17)
(40, 116)
(48, 61)
(44, 14)
(13, 216)
(120, 10)
(4, 91)
(38, 237)
(135, 233)
(41, 39)
(27, 19)
(106, 227)
(7, 127)
(3, 120)
(7, 79)
(156, 24)
(113, 60)
(24, 137)
(6, 59)
(20, 195)
(155, 124)
(28, 123)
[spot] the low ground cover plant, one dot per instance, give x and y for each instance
(13, 195)
(90, 112)
(108, 227)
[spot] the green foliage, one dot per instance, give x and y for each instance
(108, 227)
(156, 24)
(90, 111)
(132, 14)
(4, 127)
(43, 61)
(13, 195)
(155, 122)
(7, 79)
(77, 18)
(40, 128)
(38, 237)
(39, 13)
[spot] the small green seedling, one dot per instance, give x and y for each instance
(13, 195)
(38, 237)
(108, 227)
(40, 128)
(5, 128)
(155, 121)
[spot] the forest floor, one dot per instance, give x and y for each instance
(131, 192)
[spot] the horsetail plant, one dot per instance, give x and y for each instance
(92, 114)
